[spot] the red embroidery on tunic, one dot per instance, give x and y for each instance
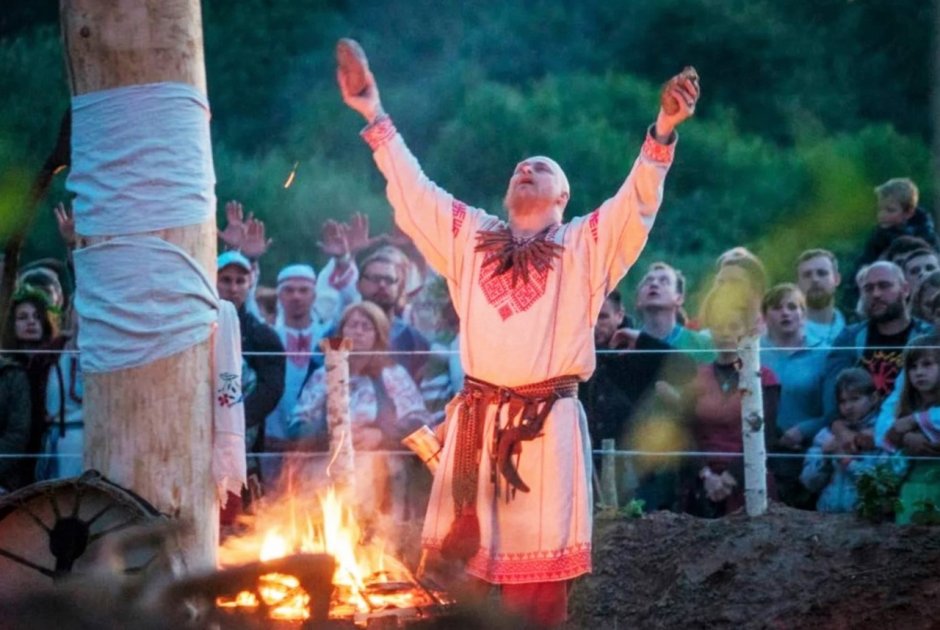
(459, 210)
(533, 566)
(540, 566)
(508, 300)
(657, 152)
(592, 223)
(379, 132)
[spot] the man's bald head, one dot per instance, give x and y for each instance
(884, 292)
(538, 184)
(559, 172)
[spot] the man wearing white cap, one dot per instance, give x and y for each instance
(300, 331)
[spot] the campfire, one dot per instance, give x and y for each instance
(368, 581)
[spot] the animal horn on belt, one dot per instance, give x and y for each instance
(508, 441)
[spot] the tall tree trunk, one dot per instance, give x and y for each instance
(149, 428)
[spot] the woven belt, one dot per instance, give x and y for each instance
(528, 408)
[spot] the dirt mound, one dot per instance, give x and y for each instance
(788, 569)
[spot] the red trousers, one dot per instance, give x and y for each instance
(543, 604)
(233, 507)
(540, 604)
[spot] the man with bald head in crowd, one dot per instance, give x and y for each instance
(877, 343)
(527, 290)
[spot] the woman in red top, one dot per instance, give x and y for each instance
(714, 484)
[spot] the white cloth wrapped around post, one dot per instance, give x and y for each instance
(140, 299)
(142, 162)
(141, 147)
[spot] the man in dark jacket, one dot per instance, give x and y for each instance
(619, 395)
(262, 374)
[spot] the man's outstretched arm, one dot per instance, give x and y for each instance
(438, 224)
(616, 232)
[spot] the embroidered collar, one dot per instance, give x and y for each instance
(535, 253)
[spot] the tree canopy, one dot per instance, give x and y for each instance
(807, 105)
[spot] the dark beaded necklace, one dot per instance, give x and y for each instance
(519, 256)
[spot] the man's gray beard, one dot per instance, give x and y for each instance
(895, 310)
(818, 300)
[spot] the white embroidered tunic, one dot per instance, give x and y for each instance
(523, 335)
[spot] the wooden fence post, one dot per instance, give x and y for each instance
(609, 473)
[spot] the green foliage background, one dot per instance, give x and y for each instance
(808, 104)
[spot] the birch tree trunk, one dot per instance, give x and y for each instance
(342, 470)
(752, 428)
(149, 428)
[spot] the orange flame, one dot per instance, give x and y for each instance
(366, 577)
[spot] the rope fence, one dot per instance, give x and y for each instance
(605, 352)
(620, 454)
(606, 477)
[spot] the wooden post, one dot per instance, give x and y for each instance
(149, 428)
(609, 473)
(752, 427)
(342, 470)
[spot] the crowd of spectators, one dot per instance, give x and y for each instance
(844, 392)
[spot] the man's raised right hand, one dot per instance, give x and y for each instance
(356, 83)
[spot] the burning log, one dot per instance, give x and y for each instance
(278, 587)
(367, 585)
